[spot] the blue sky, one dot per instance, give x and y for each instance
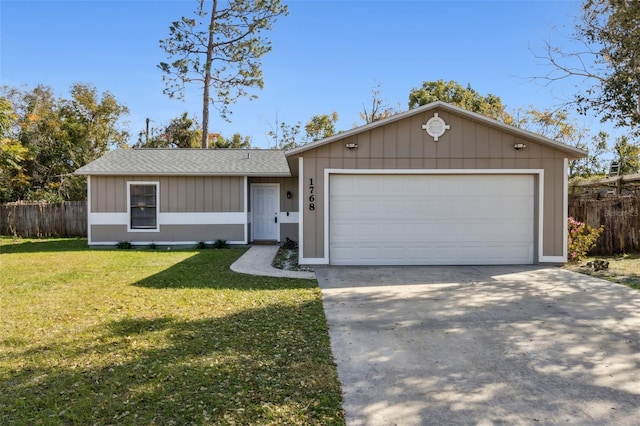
(327, 55)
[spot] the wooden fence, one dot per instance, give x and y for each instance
(67, 219)
(620, 216)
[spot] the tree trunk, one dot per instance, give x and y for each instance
(207, 76)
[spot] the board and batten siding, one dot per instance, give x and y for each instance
(468, 144)
(109, 234)
(178, 194)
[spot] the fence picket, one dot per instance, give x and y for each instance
(620, 216)
(67, 219)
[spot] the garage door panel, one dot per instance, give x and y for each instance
(441, 255)
(393, 186)
(426, 219)
(433, 230)
(451, 255)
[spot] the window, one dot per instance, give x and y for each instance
(143, 206)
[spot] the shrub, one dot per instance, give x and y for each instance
(201, 245)
(289, 244)
(219, 244)
(581, 239)
(124, 245)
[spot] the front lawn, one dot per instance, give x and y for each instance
(623, 269)
(139, 337)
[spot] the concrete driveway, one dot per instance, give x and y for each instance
(483, 345)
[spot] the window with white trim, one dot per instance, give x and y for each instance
(143, 206)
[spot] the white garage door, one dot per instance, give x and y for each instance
(431, 219)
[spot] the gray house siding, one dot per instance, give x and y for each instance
(177, 195)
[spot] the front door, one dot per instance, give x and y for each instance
(265, 206)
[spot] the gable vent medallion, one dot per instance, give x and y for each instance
(436, 127)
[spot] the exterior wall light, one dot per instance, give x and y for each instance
(289, 194)
(351, 146)
(519, 146)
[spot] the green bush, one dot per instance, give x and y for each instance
(220, 244)
(124, 245)
(581, 239)
(289, 244)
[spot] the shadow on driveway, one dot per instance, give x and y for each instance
(483, 345)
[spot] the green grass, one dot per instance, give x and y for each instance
(623, 269)
(139, 337)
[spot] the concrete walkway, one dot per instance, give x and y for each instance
(257, 261)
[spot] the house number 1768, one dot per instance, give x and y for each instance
(312, 197)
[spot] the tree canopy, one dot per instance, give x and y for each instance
(236, 141)
(181, 132)
(627, 156)
(464, 97)
(285, 136)
(219, 50)
(12, 154)
(606, 61)
(557, 125)
(320, 126)
(184, 132)
(45, 139)
(379, 108)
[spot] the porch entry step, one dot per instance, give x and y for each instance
(265, 243)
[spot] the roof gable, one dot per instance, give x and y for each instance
(184, 162)
(570, 151)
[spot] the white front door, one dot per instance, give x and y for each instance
(265, 205)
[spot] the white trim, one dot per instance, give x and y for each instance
(181, 174)
(221, 218)
(218, 218)
(89, 222)
(540, 214)
(246, 210)
(292, 218)
(162, 243)
(313, 261)
(300, 209)
(440, 128)
(565, 210)
(277, 186)
(552, 259)
(434, 171)
(326, 211)
(109, 218)
(538, 172)
(157, 185)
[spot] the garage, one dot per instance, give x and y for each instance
(434, 185)
(431, 219)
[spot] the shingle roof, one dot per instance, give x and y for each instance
(222, 162)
